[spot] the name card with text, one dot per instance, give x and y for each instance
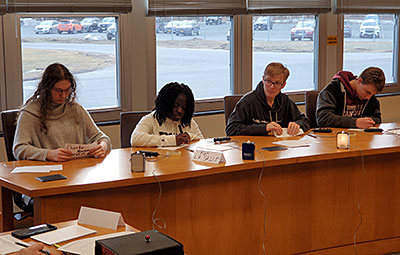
(80, 150)
(208, 156)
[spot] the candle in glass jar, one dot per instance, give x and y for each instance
(342, 140)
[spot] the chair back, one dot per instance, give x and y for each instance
(9, 124)
(311, 105)
(229, 105)
(129, 120)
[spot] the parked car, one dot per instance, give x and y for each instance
(105, 23)
(90, 24)
(263, 23)
(70, 26)
(374, 17)
(347, 29)
(304, 29)
(171, 26)
(370, 28)
(112, 31)
(228, 35)
(187, 27)
(47, 27)
(160, 26)
(213, 20)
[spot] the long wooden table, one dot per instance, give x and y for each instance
(318, 199)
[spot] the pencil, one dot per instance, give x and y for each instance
(24, 245)
(180, 128)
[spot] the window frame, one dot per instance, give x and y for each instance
(13, 63)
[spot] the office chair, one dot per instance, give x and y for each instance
(311, 105)
(129, 120)
(9, 124)
(229, 105)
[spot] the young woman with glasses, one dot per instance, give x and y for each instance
(51, 118)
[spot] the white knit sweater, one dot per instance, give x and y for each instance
(149, 133)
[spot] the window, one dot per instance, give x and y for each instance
(290, 41)
(369, 41)
(195, 51)
(87, 45)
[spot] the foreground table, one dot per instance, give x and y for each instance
(312, 196)
(99, 231)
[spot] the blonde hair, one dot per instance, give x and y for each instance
(273, 69)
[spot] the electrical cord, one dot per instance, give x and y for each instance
(265, 203)
(162, 225)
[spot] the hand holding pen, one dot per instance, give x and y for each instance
(182, 137)
(35, 249)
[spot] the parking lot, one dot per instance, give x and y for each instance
(177, 62)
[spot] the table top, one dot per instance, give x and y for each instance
(86, 174)
(99, 231)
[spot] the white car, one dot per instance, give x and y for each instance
(47, 27)
(370, 28)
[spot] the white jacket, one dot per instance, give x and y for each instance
(149, 133)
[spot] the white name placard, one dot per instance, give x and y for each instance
(208, 156)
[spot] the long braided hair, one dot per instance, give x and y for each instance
(165, 102)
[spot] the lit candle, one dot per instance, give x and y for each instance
(342, 140)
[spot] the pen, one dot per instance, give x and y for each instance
(180, 128)
(24, 245)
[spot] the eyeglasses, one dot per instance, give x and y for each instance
(62, 91)
(274, 84)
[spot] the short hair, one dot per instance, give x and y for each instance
(374, 76)
(165, 102)
(273, 69)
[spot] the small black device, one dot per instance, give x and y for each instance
(374, 130)
(322, 130)
(28, 232)
(147, 242)
(149, 153)
(221, 139)
(52, 177)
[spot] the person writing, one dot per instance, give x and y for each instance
(51, 118)
(34, 249)
(266, 110)
(349, 101)
(171, 121)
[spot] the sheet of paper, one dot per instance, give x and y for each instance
(295, 143)
(285, 133)
(63, 234)
(100, 218)
(37, 169)
(217, 147)
(80, 150)
(86, 246)
(7, 244)
(173, 148)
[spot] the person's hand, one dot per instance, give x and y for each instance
(31, 250)
(293, 128)
(100, 151)
(365, 122)
(274, 128)
(182, 138)
(59, 154)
